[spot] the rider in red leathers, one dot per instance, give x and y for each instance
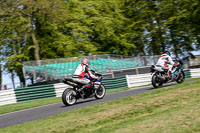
(81, 70)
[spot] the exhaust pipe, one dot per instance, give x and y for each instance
(66, 81)
(162, 78)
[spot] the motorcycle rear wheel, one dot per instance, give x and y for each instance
(69, 96)
(156, 82)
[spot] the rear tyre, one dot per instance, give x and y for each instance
(181, 78)
(156, 81)
(69, 97)
(100, 92)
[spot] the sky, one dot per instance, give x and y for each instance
(6, 79)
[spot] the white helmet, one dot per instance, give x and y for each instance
(85, 62)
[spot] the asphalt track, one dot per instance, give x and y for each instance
(36, 113)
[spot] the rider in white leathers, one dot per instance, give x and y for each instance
(81, 70)
(166, 62)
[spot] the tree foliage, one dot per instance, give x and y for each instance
(44, 29)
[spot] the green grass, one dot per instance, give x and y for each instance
(187, 79)
(28, 104)
(173, 109)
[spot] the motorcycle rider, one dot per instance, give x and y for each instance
(166, 62)
(81, 70)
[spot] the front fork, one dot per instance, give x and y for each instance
(176, 74)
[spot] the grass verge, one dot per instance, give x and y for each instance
(173, 109)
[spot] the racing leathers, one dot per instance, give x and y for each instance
(166, 62)
(78, 75)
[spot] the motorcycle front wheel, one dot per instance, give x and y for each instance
(156, 81)
(181, 77)
(100, 92)
(69, 96)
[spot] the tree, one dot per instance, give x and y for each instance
(157, 26)
(21, 24)
(45, 29)
(180, 39)
(0, 75)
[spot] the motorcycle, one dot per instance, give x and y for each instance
(95, 89)
(160, 76)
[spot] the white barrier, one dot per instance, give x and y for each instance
(138, 80)
(7, 97)
(59, 88)
(195, 73)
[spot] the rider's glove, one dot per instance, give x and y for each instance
(176, 64)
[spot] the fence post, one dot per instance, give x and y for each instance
(186, 66)
(127, 80)
(113, 76)
(137, 70)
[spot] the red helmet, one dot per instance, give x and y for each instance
(85, 62)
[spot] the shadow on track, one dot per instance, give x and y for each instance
(166, 85)
(80, 102)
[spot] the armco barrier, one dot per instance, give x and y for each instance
(59, 88)
(7, 97)
(115, 83)
(187, 73)
(34, 92)
(195, 73)
(138, 80)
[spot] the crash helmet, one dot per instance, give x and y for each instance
(167, 52)
(85, 62)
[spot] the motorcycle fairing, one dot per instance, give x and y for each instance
(159, 68)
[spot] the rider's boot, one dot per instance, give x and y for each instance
(169, 75)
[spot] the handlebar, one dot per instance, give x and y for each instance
(178, 61)
(96, 73)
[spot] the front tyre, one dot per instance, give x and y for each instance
(100, 92)
(69, 97)
(156, 81)
(181, 77)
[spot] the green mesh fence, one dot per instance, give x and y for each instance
(115, 83)
(60, 70)
(34, 92)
